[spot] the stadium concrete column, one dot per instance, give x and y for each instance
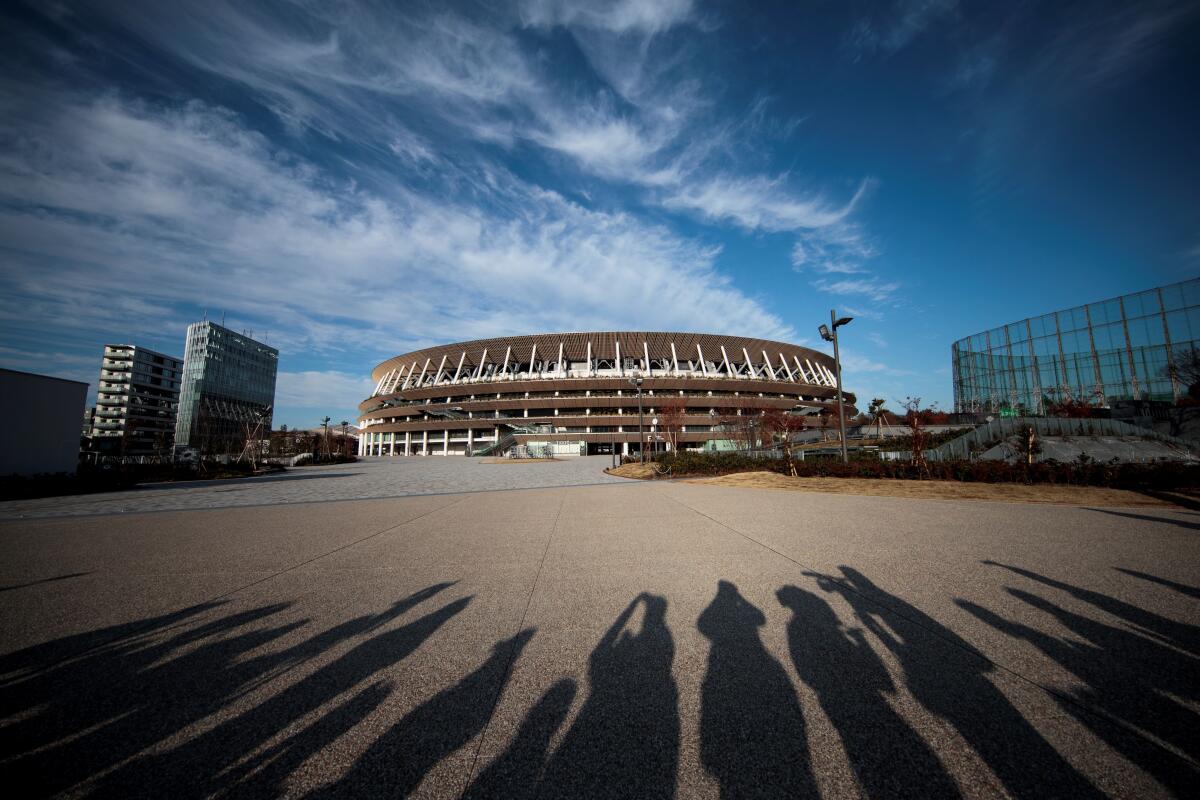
(408, 443)
(392, 444)
(424, 443)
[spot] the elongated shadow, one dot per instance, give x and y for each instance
(1180, 634)
(43, 580)
(850, 680)
(752, 737)
(949, 678)
(627, 733)
(1128, 679)
(78, 719)
(515, 773)
(223, 747)
(62, 653)
(1195, 526)
(398, 761)
(1182, 588)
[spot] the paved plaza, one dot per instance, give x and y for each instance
(450, 628)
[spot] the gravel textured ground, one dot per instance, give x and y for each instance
(603, 639)
(366, 479)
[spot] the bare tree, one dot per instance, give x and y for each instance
(780, 424)
(915, 417)
(1184, 369)
(670, 422)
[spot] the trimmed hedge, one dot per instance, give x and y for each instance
(1158, 475)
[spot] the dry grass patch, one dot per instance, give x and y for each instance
(645, 471)
(936, 490)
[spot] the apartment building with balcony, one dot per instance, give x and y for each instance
(136, 401)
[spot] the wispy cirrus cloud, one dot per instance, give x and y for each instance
(112, 188)
(622, 16)
(875, 289)
(840, 248)
(893, 27)
(331, 69)
(759, 203)
(389, 193)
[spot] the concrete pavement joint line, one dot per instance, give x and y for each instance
(335, 550)
(1053, 692)
(512, 659)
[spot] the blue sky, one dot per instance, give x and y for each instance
(354, 180)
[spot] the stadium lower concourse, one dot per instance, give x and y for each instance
(576, 393)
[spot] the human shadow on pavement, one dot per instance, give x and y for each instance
(1137, 694)
(625, 740)
(752, 737)
(850, 680)
(396, 763)
(224, 748)
(81, 709)
(516, 771)
(1179, 634)
(69, 721)
(1182, 588)
(949, 678)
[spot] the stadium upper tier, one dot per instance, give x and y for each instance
(575, 387)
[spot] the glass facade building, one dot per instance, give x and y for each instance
(228, 386)
(1115, 350)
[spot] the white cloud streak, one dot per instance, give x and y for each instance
(875, 289)
(187, 206)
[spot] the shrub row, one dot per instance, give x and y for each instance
(1159, 475)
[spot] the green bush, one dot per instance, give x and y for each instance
(1159, 475)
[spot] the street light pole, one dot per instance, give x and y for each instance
(641, 438)
(831, 335)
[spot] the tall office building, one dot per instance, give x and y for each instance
(228, 388)
(136, 400)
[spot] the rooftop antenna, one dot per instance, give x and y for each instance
(222, 318)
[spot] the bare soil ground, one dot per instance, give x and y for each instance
(929, 490)
(938, 490)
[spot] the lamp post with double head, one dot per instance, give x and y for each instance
(832, 336)
(637, 383)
